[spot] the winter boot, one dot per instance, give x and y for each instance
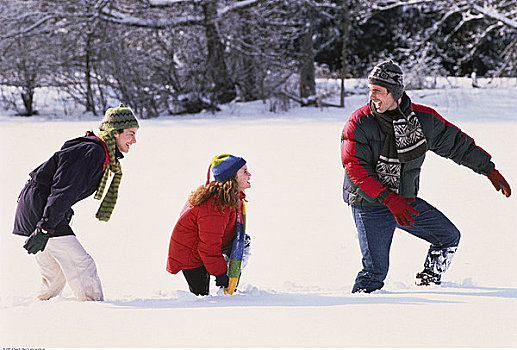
(367, 290)
(365, 283)
(427, 278)
(436, 263)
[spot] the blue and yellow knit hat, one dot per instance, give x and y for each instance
(223, 166)
(118, 118)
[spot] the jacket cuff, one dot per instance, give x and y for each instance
(43, 224)
(382, 196)
(217, 269)
(488, 169)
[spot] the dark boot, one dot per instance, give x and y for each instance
(439, 260)
(365, 283)
(427, 278)
(436, 263)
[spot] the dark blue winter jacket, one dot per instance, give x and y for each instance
(70, 175)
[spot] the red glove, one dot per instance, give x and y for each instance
(499, 182)
(400, 209)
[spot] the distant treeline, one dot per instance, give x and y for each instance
(184, 56)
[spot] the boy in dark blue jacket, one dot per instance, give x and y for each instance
(81, 167)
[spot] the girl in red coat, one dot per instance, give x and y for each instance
(206, 226)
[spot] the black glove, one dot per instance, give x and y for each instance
(37, 241)
(222, 281)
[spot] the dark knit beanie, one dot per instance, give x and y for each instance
(118, 118)
(389, 75)
(225, 165)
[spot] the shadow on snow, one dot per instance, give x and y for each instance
(266, 299)
(258, 298)
(451, 288)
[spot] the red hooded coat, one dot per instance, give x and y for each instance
(199, 235)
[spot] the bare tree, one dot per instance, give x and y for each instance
(463, 35)
(183, 56)
(25, 62)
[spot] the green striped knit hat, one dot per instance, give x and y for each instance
(118, 118)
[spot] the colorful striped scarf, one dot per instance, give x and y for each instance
(234, 267)
(110, 199)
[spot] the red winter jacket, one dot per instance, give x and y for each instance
(199, 235)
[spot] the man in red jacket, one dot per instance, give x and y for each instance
(383, 148)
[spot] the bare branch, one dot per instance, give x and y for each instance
(492, 13)
(466, 18)
(114, 16)
(240, 5)
(475, 46)
(29, 29)
(385, 7)
(117, 17)
(170, 3)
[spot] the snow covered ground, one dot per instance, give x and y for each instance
(296, 289)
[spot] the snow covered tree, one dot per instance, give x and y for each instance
(442, 37)
(477, 36)
(199, 59)
(184, 56)
(26, 61)
(261, 48)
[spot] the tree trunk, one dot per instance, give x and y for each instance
(346, 28)
(90, 103)
(307, 79)
(248, 78)
(223, 88)
(27, 98)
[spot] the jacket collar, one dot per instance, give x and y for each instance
(118, 154)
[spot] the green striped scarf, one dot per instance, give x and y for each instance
(110, 199)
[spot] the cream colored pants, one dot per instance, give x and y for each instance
(65, 260)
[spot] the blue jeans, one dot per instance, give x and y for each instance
(375, 228)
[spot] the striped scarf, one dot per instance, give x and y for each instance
(234, 267)
(405, 141)
(110, 199)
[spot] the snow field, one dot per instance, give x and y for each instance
(295, 290)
